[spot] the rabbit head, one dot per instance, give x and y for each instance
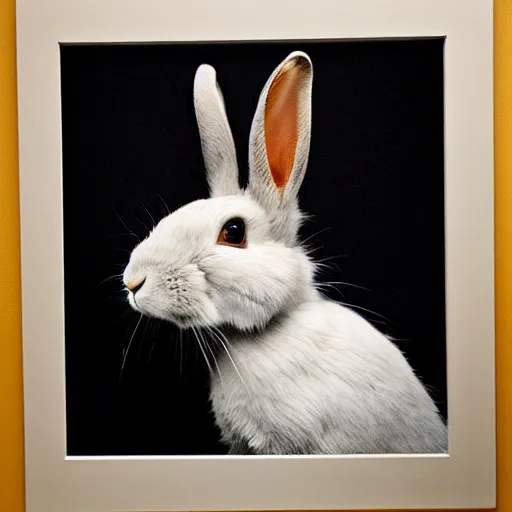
(234, 258)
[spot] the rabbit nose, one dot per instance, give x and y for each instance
(134, 287)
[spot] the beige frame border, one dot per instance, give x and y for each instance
(465, 478)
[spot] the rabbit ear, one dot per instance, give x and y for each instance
(217, 142)
(280, 134)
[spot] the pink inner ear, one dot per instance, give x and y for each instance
(281, 126)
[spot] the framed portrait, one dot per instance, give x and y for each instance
(257, 254)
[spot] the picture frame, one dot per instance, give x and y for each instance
(465, 477)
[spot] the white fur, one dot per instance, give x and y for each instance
(322, 380)
(297, 374)
(192, 281)
(216, 138)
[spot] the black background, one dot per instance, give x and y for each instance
(130, 144)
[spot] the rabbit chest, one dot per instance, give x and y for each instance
(322, 381)
(283, 391)
(260, 397)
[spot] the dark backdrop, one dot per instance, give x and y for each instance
(131, 147)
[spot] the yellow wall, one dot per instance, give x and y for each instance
(11, 411)
(503, 188)
(11, 407)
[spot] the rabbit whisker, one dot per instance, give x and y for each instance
(165, 204)
(330, 258)
(150, 216)
(130, 232)
(319, 232)
(155, 324)
(219, 335)
(310, 249)
(346, 284)
(125, 355)
(364, 309)
(151, 351)
(143, 337)
(115, 276)
(207, 345)
(322, 266)
(202, 349)
(332, 267)
(148, 230)
(324, 287)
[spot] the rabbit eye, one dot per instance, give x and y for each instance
(233, 234)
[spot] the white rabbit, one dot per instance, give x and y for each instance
(297, 374)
